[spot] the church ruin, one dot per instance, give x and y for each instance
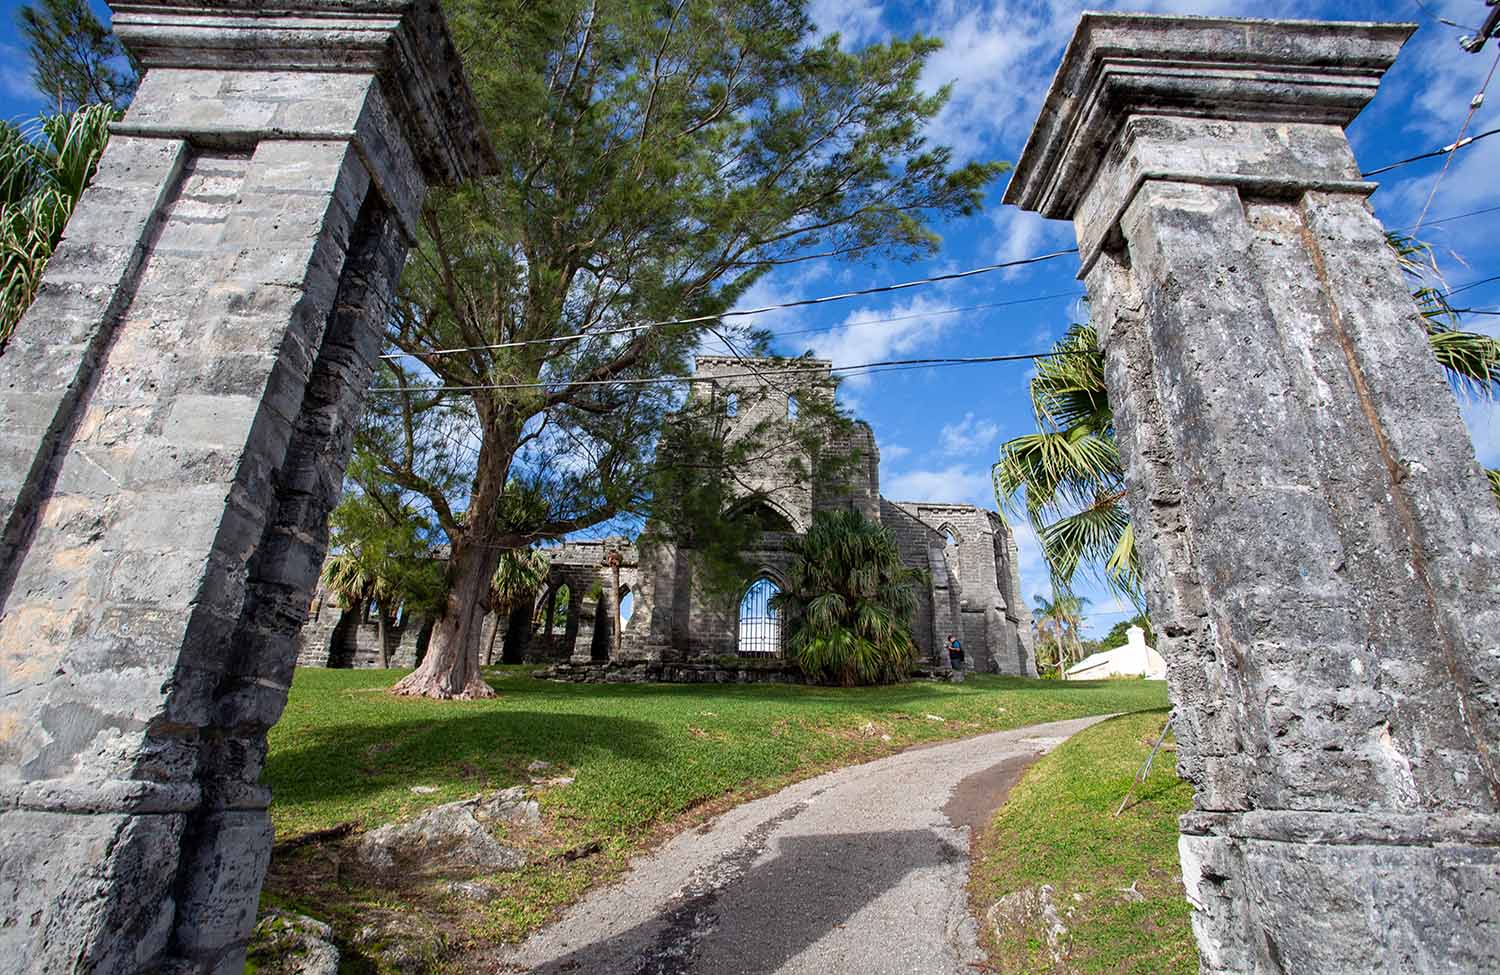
(616, 610)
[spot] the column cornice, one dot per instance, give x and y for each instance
(1120, 66)
(405, 43)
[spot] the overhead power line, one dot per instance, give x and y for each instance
(744, 312)
(1471, 284)
(1474, 104)
(1460, 143)
(1456, 216)
(879, 366)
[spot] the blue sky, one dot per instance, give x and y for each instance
(939, 429)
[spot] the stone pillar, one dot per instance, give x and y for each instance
(1320, 548)
(175, 415)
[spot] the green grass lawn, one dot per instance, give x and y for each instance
(645, 760)
(1058, 827)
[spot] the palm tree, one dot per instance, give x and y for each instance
(355, 579)
(1068, 479)
(848, 602)
(42, 174)
(517, 580)
(1068, 475)
(1060, 621)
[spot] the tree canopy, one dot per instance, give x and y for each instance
(656, 161)
(76, 59)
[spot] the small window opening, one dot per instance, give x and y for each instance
(732, 405)
(792, 407)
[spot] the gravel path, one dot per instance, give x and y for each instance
(858, 871)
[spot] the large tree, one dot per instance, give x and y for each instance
(75, 59)
(656, 159)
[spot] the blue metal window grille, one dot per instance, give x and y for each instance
(760, 625)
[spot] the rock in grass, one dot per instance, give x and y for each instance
(476, 892)
(452, 839)
(292, 944)
(1028, 913)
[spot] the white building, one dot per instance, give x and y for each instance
(1134, 659)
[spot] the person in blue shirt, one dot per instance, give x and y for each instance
(955, 651)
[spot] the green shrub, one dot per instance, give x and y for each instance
(848, 603)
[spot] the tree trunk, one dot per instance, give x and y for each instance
(385, 653)
(451, 667)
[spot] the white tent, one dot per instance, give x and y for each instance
(1134, 659)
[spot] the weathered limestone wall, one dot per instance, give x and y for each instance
(850, 481)
(1323, 558)
(177, 407)
(762, 388)
(975, 589)
(982, 574)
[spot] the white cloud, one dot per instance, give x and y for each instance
(892, 453)
(867, 335)
(955, 484)
(856, 21)
(968, 436)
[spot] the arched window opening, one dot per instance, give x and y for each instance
(541, 613)
(950, 549)
(732, 404)
(792, 408)
(559, 620)
(760, 625)
(765, 517)
(627, 604)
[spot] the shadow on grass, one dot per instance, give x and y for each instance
(513, 683)
(349, 760)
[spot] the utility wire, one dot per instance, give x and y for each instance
(1445, 150)
(1427, 12)
(935, 313)
(741, 313)
(1474, 104)
(879, 366)
(1456, 216)
(1471, 284)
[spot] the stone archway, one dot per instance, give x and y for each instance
(1321, 552)
(179, 403)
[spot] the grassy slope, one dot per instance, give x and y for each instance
(644, 756)
(1058, 828)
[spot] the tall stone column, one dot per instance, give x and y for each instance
(1320, 547)
(175, 415)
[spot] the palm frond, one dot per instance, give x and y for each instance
(1471, 359)
(42, 175)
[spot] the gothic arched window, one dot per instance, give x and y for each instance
(760, 625)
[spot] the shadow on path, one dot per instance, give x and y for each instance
(732, 920)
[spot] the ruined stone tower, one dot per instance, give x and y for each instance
(970, 553)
